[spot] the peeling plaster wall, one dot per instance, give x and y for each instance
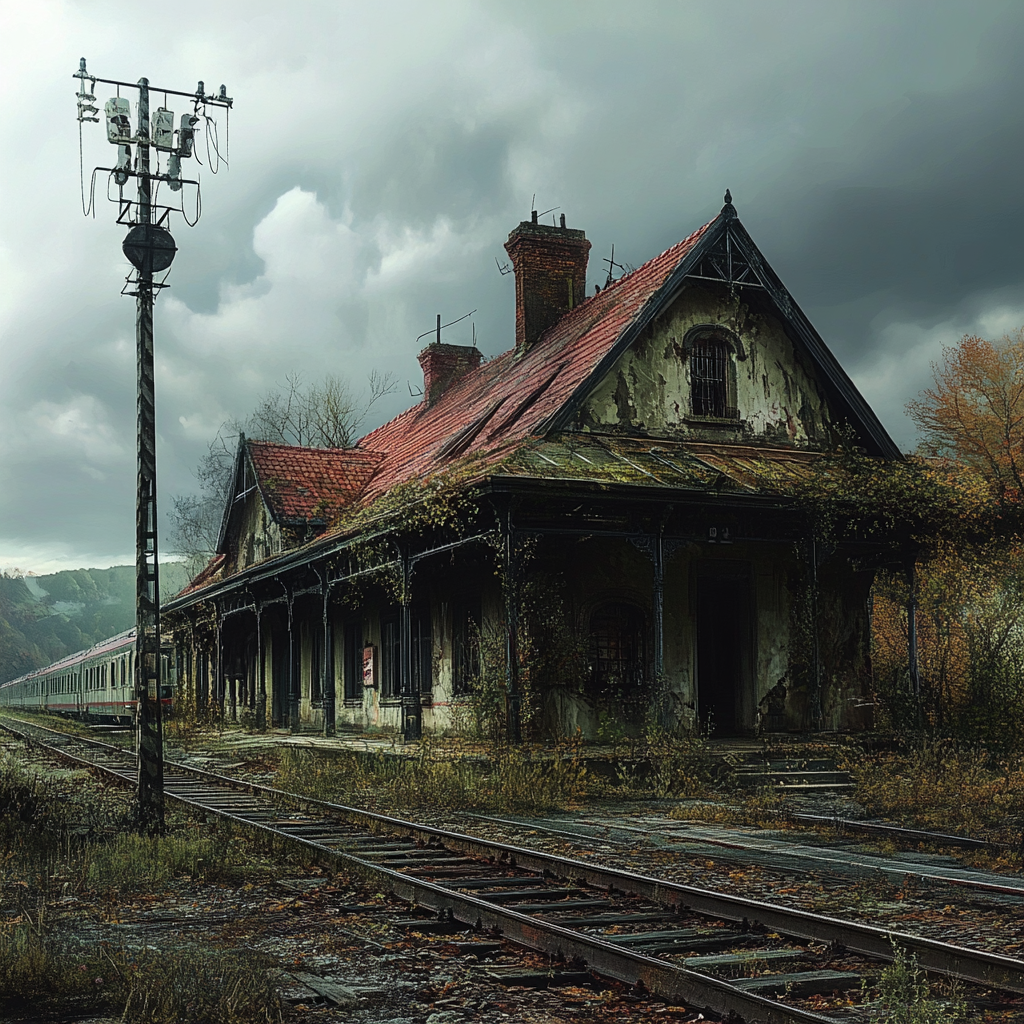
(647, 391)
(256, 536)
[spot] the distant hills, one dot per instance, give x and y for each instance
(43, 618)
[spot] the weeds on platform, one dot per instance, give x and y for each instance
(504, 779)
(57, 838)
(943, 787)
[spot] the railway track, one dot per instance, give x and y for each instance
(661, 936)
(737, 846)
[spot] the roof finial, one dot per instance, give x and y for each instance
(728, 196)
(728, 211)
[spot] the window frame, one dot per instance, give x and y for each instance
(722, 408)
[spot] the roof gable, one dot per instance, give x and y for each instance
(724, 252)
(298, 486)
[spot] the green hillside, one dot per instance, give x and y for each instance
(43, 618)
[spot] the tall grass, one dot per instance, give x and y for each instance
(943, 786)
(60, 836)
(507, 779)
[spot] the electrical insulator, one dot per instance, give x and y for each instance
(124, 165)
(85, 106)
(119, 120)
(187, 134)
(174, 172)
(163, 129)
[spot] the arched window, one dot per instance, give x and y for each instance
(709, 377)
(616, 649)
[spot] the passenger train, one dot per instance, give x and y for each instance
(95, 685)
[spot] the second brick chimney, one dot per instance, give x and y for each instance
(443, 364)
(551, 275)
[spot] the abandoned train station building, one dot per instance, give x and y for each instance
(585, 533)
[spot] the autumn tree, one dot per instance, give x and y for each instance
(974, 412)
(323, 414)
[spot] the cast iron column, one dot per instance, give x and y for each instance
(261, 672)
(294, 669)
(511, 589)
(147, 582)
(327, 675)
(412, 722)
(658, 602)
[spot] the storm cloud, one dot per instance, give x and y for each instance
(380, 153)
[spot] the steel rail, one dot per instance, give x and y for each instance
(913, 835)
(663, 979)
(969, 965)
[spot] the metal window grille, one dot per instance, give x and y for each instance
(709, 368)
(616, 649)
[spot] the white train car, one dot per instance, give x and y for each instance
(95, 685)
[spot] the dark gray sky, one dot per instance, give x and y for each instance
(380, 153)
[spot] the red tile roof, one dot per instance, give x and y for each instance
(487, 413)
(529, 386)
(310, 483)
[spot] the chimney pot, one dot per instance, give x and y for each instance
(534, 215)
(561, 219)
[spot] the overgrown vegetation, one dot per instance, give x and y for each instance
(60, 840)
(504, 779)
(905, 997)
(944, 787)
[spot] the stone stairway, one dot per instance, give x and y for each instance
(790, 774)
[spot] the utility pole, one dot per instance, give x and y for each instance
(150, 248)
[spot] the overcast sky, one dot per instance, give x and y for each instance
(381, 152)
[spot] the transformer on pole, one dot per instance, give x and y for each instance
(150, 249)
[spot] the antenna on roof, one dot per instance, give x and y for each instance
(440, 326)
(610, 260)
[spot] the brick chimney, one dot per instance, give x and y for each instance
(443, 364)
(551, 275)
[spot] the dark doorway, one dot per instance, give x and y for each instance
(723, 648)
(280, 675)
